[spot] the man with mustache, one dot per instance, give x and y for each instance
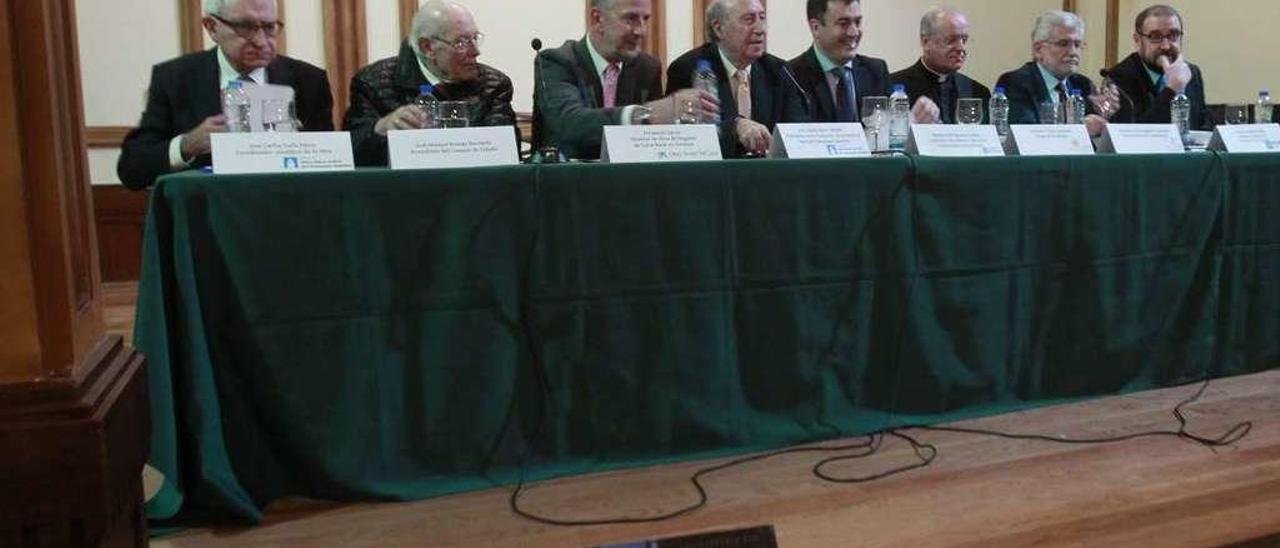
(833, 74)
(1057, 45)
(755, 92)
(1154, 74)
(603, 79)
(441, 50)
(936, 79)
(184, 103)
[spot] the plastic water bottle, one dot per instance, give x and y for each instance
(704, 79)
(426, 100)
(1263, 110)
(1180, 111)
(899, 117)
(235, 106)
(999, 106)
(1075, 107)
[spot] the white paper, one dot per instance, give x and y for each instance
(663, 143)
(1051, 140)
(259, 94)
(1246, 138)
(281, 152)
(1141, 139)
(452, 147)
(838, 140)
(954, 140)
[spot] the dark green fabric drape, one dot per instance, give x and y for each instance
(395, 335)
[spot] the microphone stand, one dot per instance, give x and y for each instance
(547, 153)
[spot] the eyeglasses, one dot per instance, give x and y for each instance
(249, 30)
(1158, 38)
(1065, 43)
(462, 42)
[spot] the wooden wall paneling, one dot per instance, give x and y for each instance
(1069, 5)
(282, 39)
(105, 136)
(408, 8)
(120, 215)
(1113, 32)
(345, 49)
(191, 11)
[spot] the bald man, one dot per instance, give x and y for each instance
(184, 99)
(442, 50)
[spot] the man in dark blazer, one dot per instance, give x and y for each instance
(1154, 74)
(936, 78)
(184, 103)
(603, 79)
(748, 78)
(442, 50)
(1058, 42)
(834, 75)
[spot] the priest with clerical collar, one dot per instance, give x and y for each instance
(935, 81)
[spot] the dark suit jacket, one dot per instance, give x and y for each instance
(391, 83)
(1026, 90)
(870, 78)
(774, 98)
(921, 82)
(1143, 103)
(185, 91)
(571, 114)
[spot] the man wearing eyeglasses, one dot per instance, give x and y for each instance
(936, 79)
(1057, 47)
(184, 104)
(1154, 74)
(442, 50)
(755, 93)
(603, 79)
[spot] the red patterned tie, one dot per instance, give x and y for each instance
(611, 85)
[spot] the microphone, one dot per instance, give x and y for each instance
(804, 94)
(542, 153)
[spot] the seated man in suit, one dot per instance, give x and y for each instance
(1155, 73)
(441, 50)
(936, 79)
(184, 101)
(1057, 43)
(755, 93)
(602, 79)
(834, 76)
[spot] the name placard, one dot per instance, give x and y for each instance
(954, 140)
(1055, 140)
(1141, 139)
(1249, 138)
(839, 140)
(452, 147)
(281, 152)
(680, 143)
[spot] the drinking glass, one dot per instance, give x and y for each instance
(1051, 113)
(875, 111)
(1237, 114)
(969, 111)
(454, 114)
(690, 112)
(275, 116)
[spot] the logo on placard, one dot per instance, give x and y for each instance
(833, 150)
(291, 162)
(662, 155)
(1272, 145)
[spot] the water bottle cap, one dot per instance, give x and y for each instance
(235, 84)
(999, 89)
(703, 64)
(1076, 91)
(899, 87)
(425, 89)
(1263, 92)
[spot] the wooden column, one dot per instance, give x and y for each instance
(73, 407)
(346, 49)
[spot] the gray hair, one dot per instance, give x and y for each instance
(1053, 19)
(428, 21)
(929, 22)
(716, 11)
(216, 7)
(603, 5)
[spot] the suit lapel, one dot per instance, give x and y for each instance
(821, 91)
(863, 85)
(728, 102)
(761, 94)
(206, 90)
(587, 71)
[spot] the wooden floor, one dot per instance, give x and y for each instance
(980, 491)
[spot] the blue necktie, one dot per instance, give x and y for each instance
(844, 95)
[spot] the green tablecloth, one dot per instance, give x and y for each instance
(395, 335)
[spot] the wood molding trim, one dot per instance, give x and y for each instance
(408, 8)
(105, 136)
(191, 11)
(345, 49)
(1070, 5)
(1113, 32)
(120, 215)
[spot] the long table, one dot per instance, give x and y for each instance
(391, 335)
